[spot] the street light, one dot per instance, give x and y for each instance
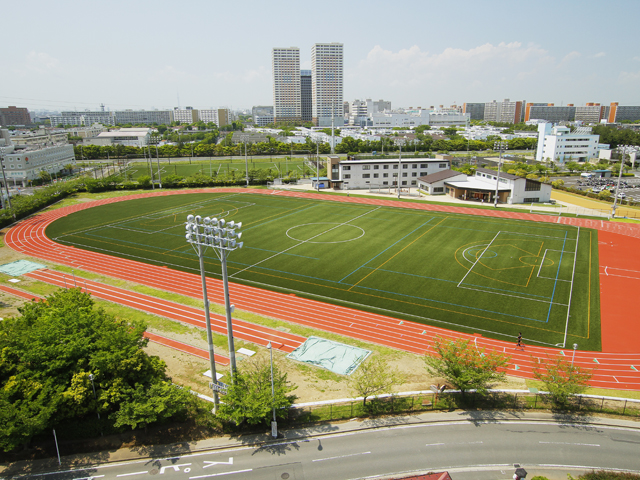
(575, 346)
(274, 424)
(223, 238)
(500, 146)
(615, 200)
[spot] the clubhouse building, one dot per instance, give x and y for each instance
(482, 187)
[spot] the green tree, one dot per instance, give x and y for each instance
(561, 379)
(48, 354)
(249, 397)
(374, 377)
(572, 166)
(465, 366)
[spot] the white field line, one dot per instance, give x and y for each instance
(573, 274)
(542, 262)
(305, 241)
(563, 252)
(513, 296)
(478, 259)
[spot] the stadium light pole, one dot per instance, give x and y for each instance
(500, 146)
(615, 200)
(223, 238)
(399, 170)
(158, 161)
(318, 166)
(274, 423)
(573, 357)
(246, 164)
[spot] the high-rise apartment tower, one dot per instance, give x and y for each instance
(286, 84)
(327, 83)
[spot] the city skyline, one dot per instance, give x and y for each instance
(76, 56)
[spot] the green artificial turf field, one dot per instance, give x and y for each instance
(186, 168)
(476, 274)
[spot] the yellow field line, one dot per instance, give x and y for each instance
(391, 258)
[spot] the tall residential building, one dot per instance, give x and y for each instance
(475, 110)
(14, 116)
(619, 113)
(504, 112)
(286, 84)
(186, 115)
(591, 113)
(262, 115)
(147, 117)
(549, 112)
(306, 96)
(327, 83)
(83, 118)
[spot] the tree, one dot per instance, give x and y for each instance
(249, 397)
(572, 166)
(374, 377)
(465, 366)
(48, 355)
(561, 379)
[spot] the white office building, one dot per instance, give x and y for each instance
(327, 84)
(357, 174)
(23, 164)
(560, 144)
(286, 84)
(129, 137)
(187, 115)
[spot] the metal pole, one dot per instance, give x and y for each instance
(4, 178)
(274, 424)
(227, 307)
(615, 200)
(575, 346)
(318, 166)
(246, 163)
(495, 200)
(399, 170)
(55, 438)
(94, 393)
(158, 160)
(212, 363)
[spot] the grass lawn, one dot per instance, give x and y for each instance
(474, 274)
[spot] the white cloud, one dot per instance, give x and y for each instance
(599, 54)
(38, 63)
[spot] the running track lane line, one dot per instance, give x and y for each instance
(66, 253)
(155, 338)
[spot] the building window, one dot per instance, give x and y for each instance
(414, 174)
(424, 165)
(438, 189)
(366, 167)
(422, 174)
(386, 167)
(395, 167)
(385, 183)
(366, 175)
(404, 182)
(376, 167)
(531, 200)
(346, 167)
(376, 175)
(531, 186)
(405, 165)
(415, 165)
(385, 175)
(413, 182)
(348, 175)
(404, 174)
(442, 165)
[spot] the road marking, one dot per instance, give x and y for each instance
(433, 444)
(211, 464)
(341, 456)
(569, 443)
(223, 473)
(176, 468)
(130, 474)
(89, 478)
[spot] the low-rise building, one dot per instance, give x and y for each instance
(482, 187)
(358, 174)
(560, 144)
(129, 137)
(24, 163)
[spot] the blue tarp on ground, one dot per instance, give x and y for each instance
(20, 267)
(336, 357)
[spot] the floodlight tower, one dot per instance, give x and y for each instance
(223, 238)
(615, 200)
(501, 147)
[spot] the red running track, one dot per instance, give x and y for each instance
(614, 369)
(159, 339)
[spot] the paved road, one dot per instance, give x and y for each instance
(471, 445)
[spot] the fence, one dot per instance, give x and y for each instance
(495, 399)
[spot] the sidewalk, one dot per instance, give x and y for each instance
(225, 442)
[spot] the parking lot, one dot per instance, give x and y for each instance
(629, 187)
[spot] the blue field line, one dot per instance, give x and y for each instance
(556, 281)
(390, 246)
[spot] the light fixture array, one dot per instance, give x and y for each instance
(213, 232)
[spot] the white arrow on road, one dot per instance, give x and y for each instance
(211, 464)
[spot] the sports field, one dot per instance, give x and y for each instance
(215, 166)
(480, 275)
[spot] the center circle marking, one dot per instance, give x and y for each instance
(324, 223)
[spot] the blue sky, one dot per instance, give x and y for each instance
(143, 54)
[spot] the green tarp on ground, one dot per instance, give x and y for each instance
(20, 267)
(336, 357)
